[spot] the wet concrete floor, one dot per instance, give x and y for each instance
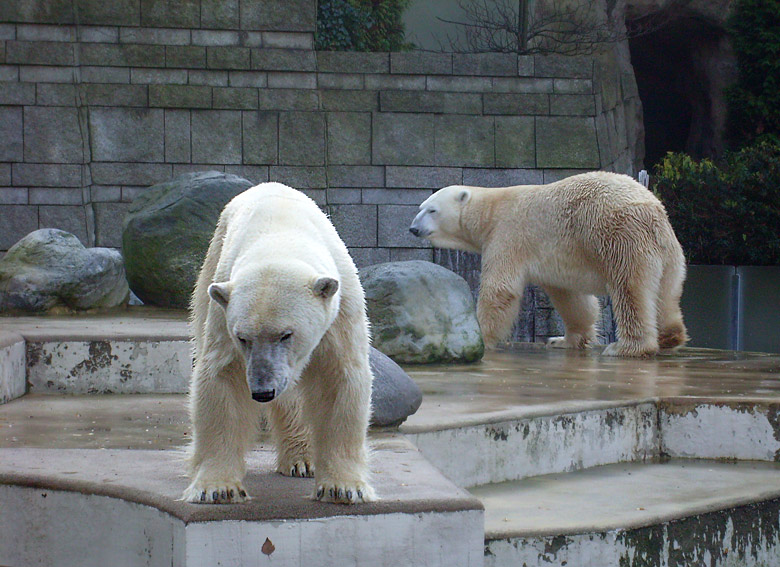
(521, 381)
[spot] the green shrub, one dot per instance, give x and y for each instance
(754, 102)
(726, 213)
(361, 25)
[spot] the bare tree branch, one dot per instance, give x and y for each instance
(574, 28)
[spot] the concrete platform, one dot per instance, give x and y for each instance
(519, 427)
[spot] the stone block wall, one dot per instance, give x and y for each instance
(99, 100)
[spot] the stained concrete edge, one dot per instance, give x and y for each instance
(405, 481)
(771, 497)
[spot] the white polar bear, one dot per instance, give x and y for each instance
(586, 235)
(279, 317)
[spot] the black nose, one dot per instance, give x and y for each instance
(265, 396)
(414, 230)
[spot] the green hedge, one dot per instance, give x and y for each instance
(728, 212)
(361, 25)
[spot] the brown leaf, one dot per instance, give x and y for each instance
(268, 547)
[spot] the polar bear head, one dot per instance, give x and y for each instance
(440, 218)
(276, 316)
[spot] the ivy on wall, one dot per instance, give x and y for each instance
(361, 25)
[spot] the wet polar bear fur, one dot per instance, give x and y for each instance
(278, 316)
(586, 235)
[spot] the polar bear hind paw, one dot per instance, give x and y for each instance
(216, 493)
(299, 469)
(345, 493)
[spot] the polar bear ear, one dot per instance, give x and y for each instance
(220, 292)
(463, 196)
(325, 287)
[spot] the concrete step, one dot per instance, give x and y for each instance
(677, 513)
(95, 507)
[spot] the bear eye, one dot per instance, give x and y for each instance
(432, 211)
(285, 337)
(242, 340)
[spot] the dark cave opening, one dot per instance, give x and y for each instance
(680, 75)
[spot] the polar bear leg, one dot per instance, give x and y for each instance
(339, 408)
(579, 312)
(497, 308)
(224, 424)
(634, 301)
(671, 329)
(291, 436)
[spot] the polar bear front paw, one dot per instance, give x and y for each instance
(300, 469)
(558, 342)
(345, 493)
(215, 492)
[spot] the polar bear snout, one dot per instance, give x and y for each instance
(414, 230)
(267, 371)
(263, 397)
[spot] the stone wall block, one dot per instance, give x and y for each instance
(108, 232)
(395, 196)
(515, 141)
(572, 105)
(560, 66)
(516, 104)
(55, 94)
(52, 134)
(311, 177)
(105, 173)
(155, 36)
(283, 60)
(177, 136)
(485, 64)
(216, 136)
(492, 177)
(278, 15)
(284, 80)
(18, 222)
(423, 177)
(525, 65)
(122, 55)
(116, 95)
(219, 14)
(419, 63)
(438, 102)
(37, 11)
(102, 13)
(17, 94)
(521, 85)
(464, 140)
(340, 81)
(98, 74)
(402, 139)
(261, 145)
(349, 138)
(39, 53)
(11, 134)
(394, 222)
(287, 99)
(247, 79)
(159, 76)
(179, 96)
(209, 78)
(566, 142)
(350, 100)
(185, 56)
(459, 84)
(573, 86)
(301, 138)
(352, 62)
(235, 98)
(55, 196)
(356, 176)
(288, 40)
(70, 218)
(170, 13)
(46, 175)
(13, 195)
(356, 224)
(127, 134)
(227, 57)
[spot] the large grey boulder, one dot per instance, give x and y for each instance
(421, 312)
(395, 396)
(50, 268)
(167, 231)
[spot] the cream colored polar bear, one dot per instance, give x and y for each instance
(586, 235)
(279, 317)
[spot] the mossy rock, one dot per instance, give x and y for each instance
(421, 312)
(167, 231)
(50, 269)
